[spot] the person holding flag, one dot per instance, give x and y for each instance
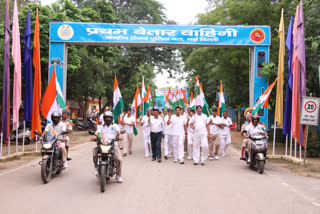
(128, 121)
(146, 132)
(189, 133)
(214, 137)
(200, 136)
(225, 137)
(178, 122)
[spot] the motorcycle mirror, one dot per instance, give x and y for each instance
(122, 131)
(37, 133)
(91, 132)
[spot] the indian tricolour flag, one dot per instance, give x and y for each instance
(172, 100)
(263, 99)
(197, 93)
(137, 107)
(222, 102)
(118, 105)
(53, 98)
(205, 106)
(146, 101)
(192, 102)
(166, 100)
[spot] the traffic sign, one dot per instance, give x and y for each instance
(309, 114)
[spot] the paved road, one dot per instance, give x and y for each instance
(224, 186)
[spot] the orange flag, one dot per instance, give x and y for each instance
(36, 122)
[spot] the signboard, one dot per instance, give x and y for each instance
(309, 111)
(235, 35)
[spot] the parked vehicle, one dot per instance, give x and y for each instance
(107, 162)
(85, 125)
(19, 132)
(52, 162)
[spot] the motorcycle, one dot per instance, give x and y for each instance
(256, 152)
(89, 124)
(19, 132)
(52, 162)
(107, 163)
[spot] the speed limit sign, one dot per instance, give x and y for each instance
(309, 111)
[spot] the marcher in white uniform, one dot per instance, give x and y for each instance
(200, 136)
(225, 136)
(167, 142)
(146, 133)
(190, 133)
(214, 138)
(128, 122)
(178, 128)
(56, 128)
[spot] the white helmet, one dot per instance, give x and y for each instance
(107, 114)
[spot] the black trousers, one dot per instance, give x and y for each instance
(156, 144)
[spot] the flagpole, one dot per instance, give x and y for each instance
(295, 148)
(9, 146)
(36, 143)
(300, 148)
(24, 131)
(286, 145)
(17, 140)
(290, 145)
(142, 96)
(1, 144)
(305, 147)
(274, 137)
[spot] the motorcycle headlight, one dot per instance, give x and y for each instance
(105, 149)
(47, 146)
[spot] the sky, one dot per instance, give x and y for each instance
(182, 12)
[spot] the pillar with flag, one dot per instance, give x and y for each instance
(36, 122)
(118, 105)
(53, 98)
(137, 107)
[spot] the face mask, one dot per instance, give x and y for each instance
(108, 122)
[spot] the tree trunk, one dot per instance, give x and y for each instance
(86, 106)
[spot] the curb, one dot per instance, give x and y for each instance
(287, 158)
(16, 156)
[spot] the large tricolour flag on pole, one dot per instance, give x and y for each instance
(118, 105)
(53, 98)
(205, 106)
(146, 100)
(263, 99)
(192, 102)
(137, 107)
(16, 55)
(222, 102)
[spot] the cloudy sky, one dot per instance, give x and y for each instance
(181, 11)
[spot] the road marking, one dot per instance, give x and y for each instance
(34, 162)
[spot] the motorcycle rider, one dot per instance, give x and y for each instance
(255, 128)
(56, 128)
(246, 141)
(69, 125)
(108, 131)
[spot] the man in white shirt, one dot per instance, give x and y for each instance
(178, 131)
(190, 133)
(167, 142)
(214, 138)
(146, 133)
(200, 136)
(106, 108)
(128, 122)
(225, 136)
(56, 128)
(156, 128)
(109, 131)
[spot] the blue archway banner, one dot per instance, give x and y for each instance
(197, 35)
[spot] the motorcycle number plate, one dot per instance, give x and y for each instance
(45, 156)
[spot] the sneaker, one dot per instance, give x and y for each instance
(202, 163)
(169, 156)
(211, 158)
(95, 172)
(175, 160)
(223, 155)
(153, 159)
(159, 160)
(166, 157)
(69, 159)
(119, 179)
(130, 153)
(216, 157)
(195, 163)
(65, 164)
(182, 162)
(146, 156)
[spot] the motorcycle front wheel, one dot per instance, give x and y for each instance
(103, 178)
(261, 166)
(46, 173)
